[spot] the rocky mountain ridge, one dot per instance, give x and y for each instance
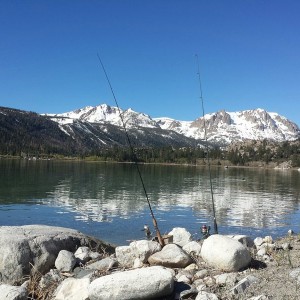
(222, 127)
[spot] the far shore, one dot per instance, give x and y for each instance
(214, 163)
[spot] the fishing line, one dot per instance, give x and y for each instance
(160, 239)
(206, 146)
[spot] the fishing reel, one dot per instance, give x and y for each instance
(205, 231)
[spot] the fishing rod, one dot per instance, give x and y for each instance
(160, 239)
(206, 146)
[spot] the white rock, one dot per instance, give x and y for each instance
(202, 295)
(171, 256)
(125, 256)
(65, 261)
(83, 253)
(225, 253)
(180, 236)
(73, 289)
(152, 282)
(143, 249)
(261, 252)
(258, 241)
(193, 248)
(10, 292)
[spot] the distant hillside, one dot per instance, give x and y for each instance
(28, 132)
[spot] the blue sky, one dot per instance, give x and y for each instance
(249, 54)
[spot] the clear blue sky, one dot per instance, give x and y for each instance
(249, 53)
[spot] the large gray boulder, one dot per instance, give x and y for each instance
(171, 256)
(224, 253)
(36, 247)
(145, 283)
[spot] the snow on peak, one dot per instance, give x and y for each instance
(110, 114)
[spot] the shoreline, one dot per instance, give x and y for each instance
(213, 163)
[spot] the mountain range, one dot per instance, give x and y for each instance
(86, 130)
(222, 128)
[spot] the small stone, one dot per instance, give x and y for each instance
(286, 246)
(290, 232)
(65, 261)
(185, 279)
(82, 253)
(241, 286)
(201, 274)
(192, 267)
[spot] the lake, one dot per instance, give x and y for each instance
(107, 200)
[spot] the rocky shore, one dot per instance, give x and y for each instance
(44, 262)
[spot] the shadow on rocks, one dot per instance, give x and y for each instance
(257, 264)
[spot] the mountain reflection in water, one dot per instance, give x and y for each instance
(107, 200)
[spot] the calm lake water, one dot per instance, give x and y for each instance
(106, 200)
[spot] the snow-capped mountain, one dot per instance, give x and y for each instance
(225, 127)
(221, 127)
(106, 114)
